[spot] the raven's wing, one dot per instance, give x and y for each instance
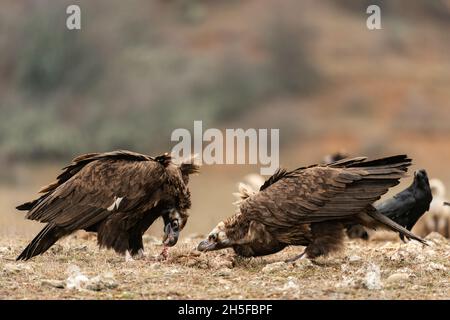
(398, 207)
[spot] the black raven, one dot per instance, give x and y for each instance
(408, 206)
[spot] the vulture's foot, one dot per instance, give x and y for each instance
(139, 255)
(128, 257)
(300, 256)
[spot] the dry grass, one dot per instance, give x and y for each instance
(364, 270)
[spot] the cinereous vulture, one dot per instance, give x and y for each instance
(310, 207)
(116, 194)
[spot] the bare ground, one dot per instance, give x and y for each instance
(75, 268)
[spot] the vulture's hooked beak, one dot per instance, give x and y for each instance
(171, 233)
(207, 245)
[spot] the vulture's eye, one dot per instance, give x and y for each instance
(175, 225)
(213, 237)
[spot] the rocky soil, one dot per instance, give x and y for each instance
(75, 268)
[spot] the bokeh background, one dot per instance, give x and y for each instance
(139, 69)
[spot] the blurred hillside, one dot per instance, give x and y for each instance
(139, 69)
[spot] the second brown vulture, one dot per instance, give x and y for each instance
(116, 194)
(310, 206)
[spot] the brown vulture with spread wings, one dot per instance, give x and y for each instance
(310, 207)
(117, 194)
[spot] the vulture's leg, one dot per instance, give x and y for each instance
(128, 257)
(136, 245)
(140, 254)
(357, 231)
(300, 256)
(327, 237)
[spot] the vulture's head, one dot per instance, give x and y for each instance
(174, 222)
(228, 233)
(175, 219)
(217, 239)
(247, 238)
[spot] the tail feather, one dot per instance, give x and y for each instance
(27, 206)
(393, 161)
(42, 242)
(394, 226)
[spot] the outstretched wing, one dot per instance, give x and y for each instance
(321, 193)
(106, 183)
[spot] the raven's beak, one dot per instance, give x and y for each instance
(170, 235)
(206, 245)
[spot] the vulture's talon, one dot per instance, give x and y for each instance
(292, 260)
(139, 255)
(128, 257)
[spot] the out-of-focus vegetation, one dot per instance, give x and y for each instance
(436, 9)
(140, 69)
(124, 82)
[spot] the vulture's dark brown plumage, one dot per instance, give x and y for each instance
(117, 194)
(311, 206)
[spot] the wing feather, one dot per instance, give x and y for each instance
(84, 198)
(325, 192)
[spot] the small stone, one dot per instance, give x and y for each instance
(77, 281)
(303, 263)
(397, 278)
(127, 295)
(436, 237)
(155, 266)
(354, 258)
(225, 283)
(224, 272)
(56, 248)
(347, 282)
(435, 266)
(412, 251)
(372, 280)
(274, 267)
(102, 282)
(81, 248)
(11, 268)
(291, 284)
(54, 283)
(173, 271)
(4, 250)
